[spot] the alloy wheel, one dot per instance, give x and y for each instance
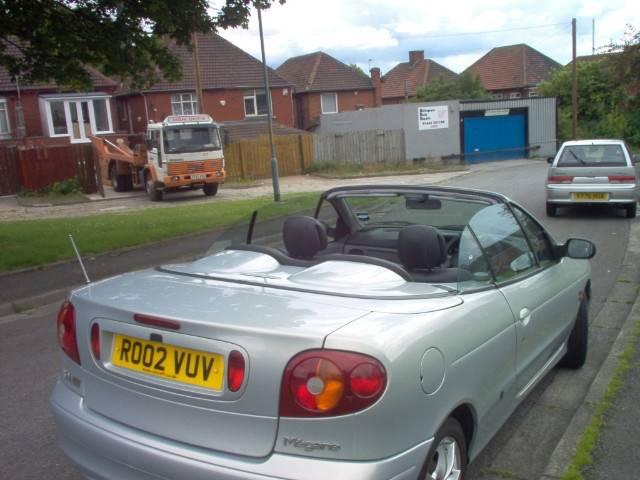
(446, 463)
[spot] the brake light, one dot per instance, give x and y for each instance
(330, 382)
(560, 179)
(156, 322)
(235, 371)
(622, 179)
(67, 331)
(95, 340)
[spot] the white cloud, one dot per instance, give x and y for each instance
(355, 32)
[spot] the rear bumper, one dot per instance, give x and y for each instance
(104, 449)
(617, 194)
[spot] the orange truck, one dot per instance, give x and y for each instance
(184, 151)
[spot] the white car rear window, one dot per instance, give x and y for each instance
(592, 156)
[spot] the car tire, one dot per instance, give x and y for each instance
(447, 458)
(552, 210)
(154, 194)
(210, 189)
(577, 344)
(631, 210)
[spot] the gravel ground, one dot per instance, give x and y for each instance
(10, 209)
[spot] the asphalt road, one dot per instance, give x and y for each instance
(29, 357)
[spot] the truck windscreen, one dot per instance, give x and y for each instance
(191, 139)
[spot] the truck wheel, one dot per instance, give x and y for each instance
(154, 194)
(118, 182)
(210, 189)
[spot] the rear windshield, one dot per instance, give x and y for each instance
(592, 156)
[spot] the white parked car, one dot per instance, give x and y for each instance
(593, 172)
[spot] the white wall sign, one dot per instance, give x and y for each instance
(430, 118)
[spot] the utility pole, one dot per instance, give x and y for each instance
(574, 88)
(593, 36)
(196, 67)
(274, 162)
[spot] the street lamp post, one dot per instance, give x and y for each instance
(274, 161)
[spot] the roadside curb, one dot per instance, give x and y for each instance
(30, 303)
(566, 447)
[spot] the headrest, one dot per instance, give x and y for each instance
(304, 237)
(421, 246)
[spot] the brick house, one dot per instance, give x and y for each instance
(232, 89)
(325, 85)
(51, 114)
(403, 80)
(513, 71)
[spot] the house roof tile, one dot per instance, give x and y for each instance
(416, 75)
(222, 65)
(7, 83)
(319, 72)
(512, 66)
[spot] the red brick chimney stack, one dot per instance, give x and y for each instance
(416, 56)
(377, 83)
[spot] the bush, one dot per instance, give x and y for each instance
(65, 187)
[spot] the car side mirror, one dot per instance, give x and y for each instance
(580, 249)
(550, 160)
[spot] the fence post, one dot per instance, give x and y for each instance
(241, 157)
(301, 151)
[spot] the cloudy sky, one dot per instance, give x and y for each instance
(452, 32)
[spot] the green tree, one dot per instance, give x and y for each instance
(43, 40)
(357, 69)
(465, 86)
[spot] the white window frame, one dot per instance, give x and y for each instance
(254, 97)
(177, 100)
(515, 95)
(322, 109)
(4, 110)
(74, 102)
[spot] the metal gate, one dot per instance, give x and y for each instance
(494, 137)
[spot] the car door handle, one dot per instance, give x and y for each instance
(525, 316)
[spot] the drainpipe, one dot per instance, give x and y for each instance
(21, 130)
(146, 110)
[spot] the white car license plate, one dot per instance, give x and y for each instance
(198, 176)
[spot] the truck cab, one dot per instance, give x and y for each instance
(184, 151)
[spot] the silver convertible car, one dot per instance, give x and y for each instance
(386, 334)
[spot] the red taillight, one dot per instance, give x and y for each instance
(235, 371)
(67, 331)
(156, 322)
(622, 179)
(95, 340)
(330, 382)
(560, 179)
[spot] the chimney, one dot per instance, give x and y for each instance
(416, 56)
(377, 83)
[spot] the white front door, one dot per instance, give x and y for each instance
(79, 121)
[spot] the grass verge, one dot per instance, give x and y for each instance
(31, 243)
(589, 439)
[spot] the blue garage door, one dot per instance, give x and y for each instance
(499, 137)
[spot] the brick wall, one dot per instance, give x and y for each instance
(222, 105)
(309, 108)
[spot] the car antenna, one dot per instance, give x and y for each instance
(75, 249)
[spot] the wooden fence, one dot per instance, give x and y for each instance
(360, 147)
(37, 166)
(251, 158)
(9, 178)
